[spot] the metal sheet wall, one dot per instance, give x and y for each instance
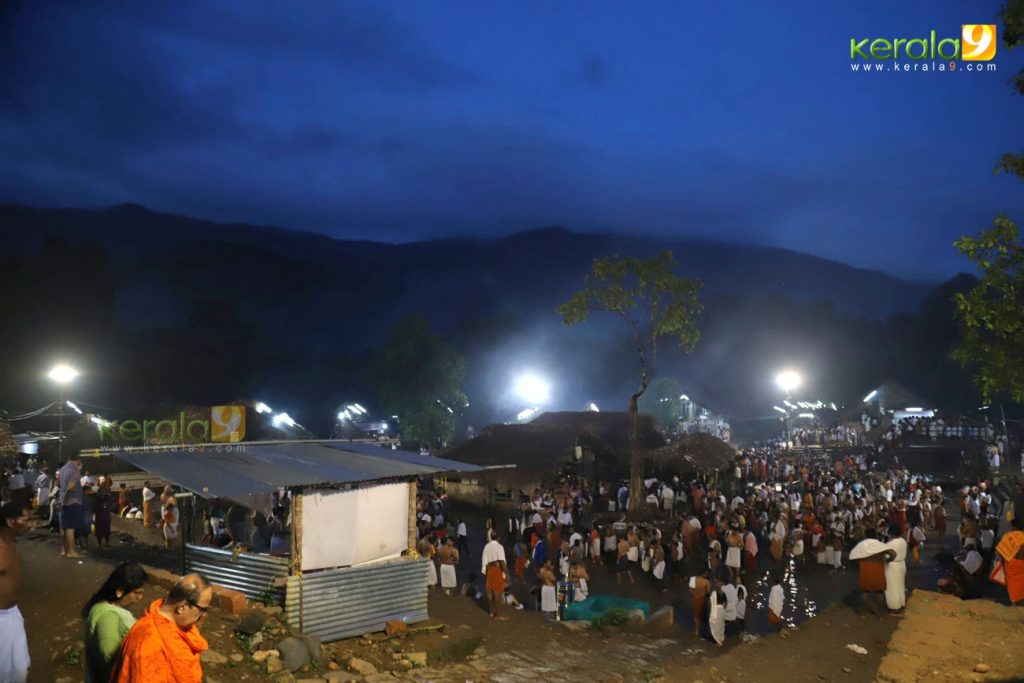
(248, 573)
(340, 603)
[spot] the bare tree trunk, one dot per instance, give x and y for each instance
(637, 496)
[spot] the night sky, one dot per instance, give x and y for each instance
(411, 120)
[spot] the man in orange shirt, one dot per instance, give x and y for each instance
(164, 645)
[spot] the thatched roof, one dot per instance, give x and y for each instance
(542, 446)
(694, 452)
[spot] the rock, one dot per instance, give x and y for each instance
(314, 647)
(294, 653)
(661, 620)
(480, 652)
(395, 626)
(251, 622)
(981, 668)
(636, 616)
(212, 657)
(272, 611)
(273, 664)
(261, 656)
(403, 665)
(256, 640)
(236, 658)
(361, 666)
(283, 677)
(847, 670)
(417, 658)
(333, 665)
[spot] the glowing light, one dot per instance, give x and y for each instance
(781, 410)
(788, 380)
(592, 407)
(874, 392)
(362, 410)
(789, 405)
(809, 416)
(62, 374)
(262, 407)
(684, 397)
(913, 409)
(74, 407)
(100, 421)
(283, 419)
(532, 389)
(525, 415)
(343, 415)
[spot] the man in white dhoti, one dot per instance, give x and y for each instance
(717, 618)
(548, 596)
(896, 575)
(427, 551)
(15, 520)
(448, 556)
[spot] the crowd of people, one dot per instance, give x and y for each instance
(780, 510)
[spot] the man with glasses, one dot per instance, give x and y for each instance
(164, 645)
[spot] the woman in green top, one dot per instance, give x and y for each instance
(107, 621)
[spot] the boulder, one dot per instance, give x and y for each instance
(417, 658)
(263, 655)
(361, 666)
(395, 626)
(273, 664)
(314, 647)
(251, 623)
(293, 653)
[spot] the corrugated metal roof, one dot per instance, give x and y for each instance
(249, 472)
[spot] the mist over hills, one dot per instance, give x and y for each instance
(164, 308)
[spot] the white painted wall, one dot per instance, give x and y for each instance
(345, 528)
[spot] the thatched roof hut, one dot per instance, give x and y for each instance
(541, 449)
(692, 453)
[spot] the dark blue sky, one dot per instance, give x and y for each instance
(407, 120)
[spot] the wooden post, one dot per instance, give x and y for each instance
(296, 559)
(412, 519)
(295, 566)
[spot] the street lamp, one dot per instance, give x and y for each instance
(61, 374)
(788, 380)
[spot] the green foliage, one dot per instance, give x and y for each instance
(419, 379)
(990, 314)
(1012, 16)
(616, 616)
(661, 401)
(647, 295)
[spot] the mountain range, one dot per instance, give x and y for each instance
(312, 310)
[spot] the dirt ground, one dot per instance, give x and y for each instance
(944, 638)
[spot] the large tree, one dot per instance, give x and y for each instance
(653, 303)
(419, 379)
(991, 325)
(990, 314)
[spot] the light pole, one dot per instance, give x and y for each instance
(61, 374)
(788, 380)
